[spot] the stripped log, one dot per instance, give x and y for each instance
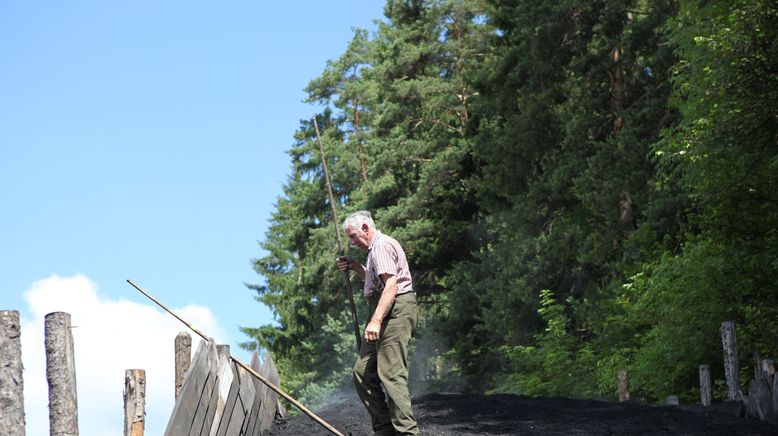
(705, 388)
(61, 375)
(134, 402)
(731, 363)
(623, 378)
(11, 381)
(183, 350)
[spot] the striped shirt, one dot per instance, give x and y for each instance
(385, 255)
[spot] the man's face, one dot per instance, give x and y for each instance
(359, 237)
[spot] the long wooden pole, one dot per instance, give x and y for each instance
(335, 221)
(250, 370)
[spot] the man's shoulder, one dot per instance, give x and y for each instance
(386, 240)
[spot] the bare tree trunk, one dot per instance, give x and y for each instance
(362, 154)
(618, 89)
(11, 382)
(183, 347)
(61, 375)
(134, 402)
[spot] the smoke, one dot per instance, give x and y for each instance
(430, 368)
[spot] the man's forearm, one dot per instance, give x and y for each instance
(386, 300)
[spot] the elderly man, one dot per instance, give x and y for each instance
(394, 313)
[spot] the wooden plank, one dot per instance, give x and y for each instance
(229, 404)
(205, 407)
(197, 380)
(252, 429)
(760, 395)
(242, 405)
(219, 398)
(247, 395)
(268, 409)
(775, 393)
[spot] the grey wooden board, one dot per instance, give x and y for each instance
(252, 428)
(229, 403)
(204, 408)
(219, 397)
(195, 381)
(268, 409)
(248, 396)
(242, 405)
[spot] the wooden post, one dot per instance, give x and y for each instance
(623, 385)
(11, 382)
(705, 388)
(134, 402)
(61, 375)
(731, 364)
(183, 347)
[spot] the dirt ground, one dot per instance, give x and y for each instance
(462, 414)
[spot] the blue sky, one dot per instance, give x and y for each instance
(146, 140)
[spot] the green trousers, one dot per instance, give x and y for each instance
(384, 363)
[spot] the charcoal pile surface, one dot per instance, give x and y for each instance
(464, 414)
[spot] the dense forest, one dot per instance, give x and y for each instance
(581, 186)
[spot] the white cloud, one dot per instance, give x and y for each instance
(110, 336)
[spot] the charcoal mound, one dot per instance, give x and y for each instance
(465, 414)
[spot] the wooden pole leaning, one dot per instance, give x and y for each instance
(335, 221)
(251, 371)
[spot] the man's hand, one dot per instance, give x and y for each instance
(373, 330)
(344, 263)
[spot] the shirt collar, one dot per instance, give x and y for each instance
(375, 238)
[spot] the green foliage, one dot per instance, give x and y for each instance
(623, 153)
(558, 365)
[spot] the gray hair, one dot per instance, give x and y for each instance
(356, 219)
